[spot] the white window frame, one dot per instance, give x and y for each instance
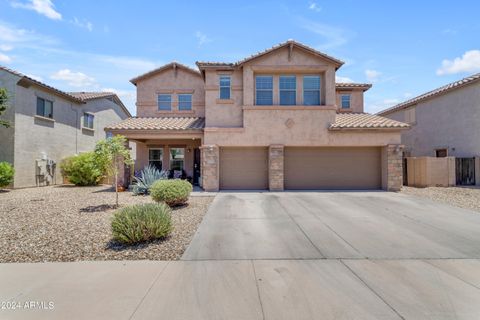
(256, 90)
(156, 160)
(225, 86)
(280, 90)
(180, 108)
(85, 115)
(158, 101)
(319, 90)
(349, 100)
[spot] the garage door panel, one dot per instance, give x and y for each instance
(332, 168)
(243, 168)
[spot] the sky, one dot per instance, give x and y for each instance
(404, 48)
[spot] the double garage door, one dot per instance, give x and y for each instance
(305, 168)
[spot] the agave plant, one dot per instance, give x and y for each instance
(146, 177)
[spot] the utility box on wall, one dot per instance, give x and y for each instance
(431, 172)
(45, 172)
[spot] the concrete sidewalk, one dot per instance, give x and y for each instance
(247, 289)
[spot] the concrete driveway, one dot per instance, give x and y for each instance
(333, 225)
(342, 255)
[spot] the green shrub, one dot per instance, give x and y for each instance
(6, 174)
(144, 222)
(172, 192)
(146, 177)
(82, 169)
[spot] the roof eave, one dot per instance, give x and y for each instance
(26, 82)
(367, 129)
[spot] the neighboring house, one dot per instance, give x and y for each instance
(275, 120)
(444, 122)
(49, 125)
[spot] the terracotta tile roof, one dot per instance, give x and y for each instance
(365, 121)
(363, 86)
(28, 80)
(163, 123)
(91, 95)
(172, 64)
(444, 89)
(202, 64)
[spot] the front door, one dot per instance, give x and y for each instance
(196, 166)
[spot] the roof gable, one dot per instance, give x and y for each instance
(172, 65)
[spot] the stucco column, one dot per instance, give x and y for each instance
(210, 167)
(275, 167)
(392, 167)
(477, 171)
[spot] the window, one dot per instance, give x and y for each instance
(410, 115)
(165, 102)
(311, 90)
(441, 153)
(155, 157)
(264, 90)
(288, 88)
(88, 120)
(177, 156)
(108, 135)
(184, 102)
(345, 101)
(225, 87)
(44, 108)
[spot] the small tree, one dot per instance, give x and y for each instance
(3, 106)
(110, 154)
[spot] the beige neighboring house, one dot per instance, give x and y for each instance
(444, 122)
(49, 125)
(275, 120)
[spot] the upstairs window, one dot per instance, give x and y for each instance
(225, 85)
(88, 120)
(44, 108)
(288, 88)
(184, 102)
(345, 101)
(264, 90)
(165, 102)
(311, 90)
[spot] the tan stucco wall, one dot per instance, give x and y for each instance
(295, 126)
(431, 172)
(447, 121)
(188, 144)
(170, 82)
(356, 100)
(57, 139)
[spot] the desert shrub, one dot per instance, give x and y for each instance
(146, 177)
(143, 222)
(172, 192)
(6, 174)
(82, 169)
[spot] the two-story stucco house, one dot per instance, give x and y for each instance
(444, 122)
(48, 125)
(275, 120)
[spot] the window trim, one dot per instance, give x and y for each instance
(158, 101)
(179, 102)
(441, 149)
(294, 90)
(349, 95)
(43, 115)
(319, 90)
(256, 90)
(220, 86)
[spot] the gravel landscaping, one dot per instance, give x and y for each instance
(463, 197)
(67, 223)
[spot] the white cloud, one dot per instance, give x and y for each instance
(82, 24)
(4, 58)
(372, 75)
(343, 79)
(12, 35)
(333, 37)
(74, 79)
(5, 47)
(202, 38)
(34, 77)
(469, 62)
(315, 7)
(43, 7)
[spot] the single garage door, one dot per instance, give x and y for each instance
(333, 168)
(243, 168)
